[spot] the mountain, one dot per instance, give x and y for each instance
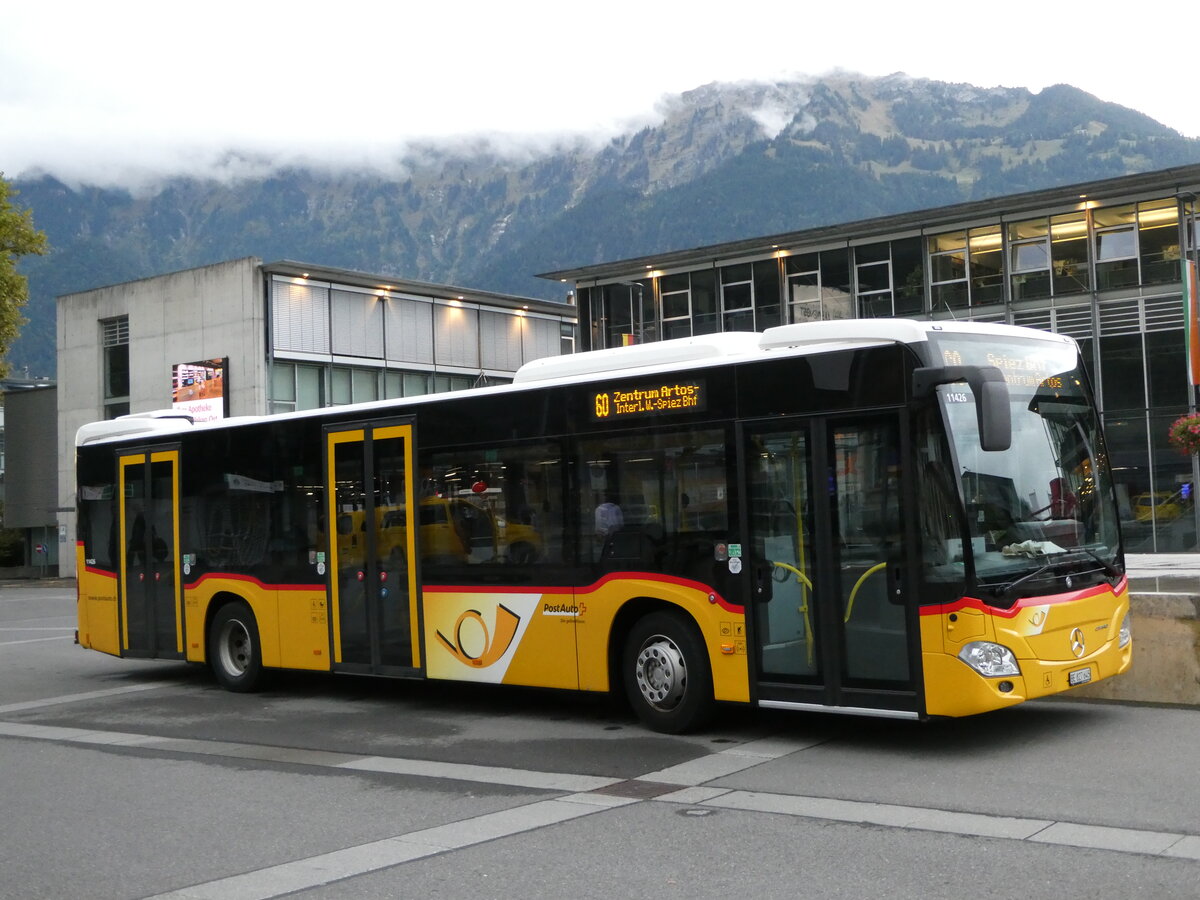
(726, 162)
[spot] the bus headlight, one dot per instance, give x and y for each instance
(1126, 633)
(988, 659)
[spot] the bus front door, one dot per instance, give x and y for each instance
(829, 621)
(151, 619)
(372, 548)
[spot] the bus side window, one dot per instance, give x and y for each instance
(671, 490)
(493, 507)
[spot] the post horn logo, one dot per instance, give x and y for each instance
(494, 646)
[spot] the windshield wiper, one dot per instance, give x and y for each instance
(1007, 591)
(1109, 569)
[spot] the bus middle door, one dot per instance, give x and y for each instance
(830, 623)
(372, 548)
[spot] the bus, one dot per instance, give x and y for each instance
(878, 517)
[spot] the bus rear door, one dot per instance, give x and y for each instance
(371, 536)
(151, 617)
(828, 621)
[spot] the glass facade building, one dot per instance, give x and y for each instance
(1101, 262)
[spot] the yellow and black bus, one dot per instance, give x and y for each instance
(880, 517)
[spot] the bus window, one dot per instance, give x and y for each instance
(98, 514)
(654, 502)
(257, 501)
(500, 507)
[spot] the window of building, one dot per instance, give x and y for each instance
(1029, 259)
(620, 317)
(948, 271)
(340, 390)
(705, 317)
(676, 305)
(295, 386)
(819, 286)
(1158, 241)
(986, 265)
(1122, 376)
(1069, 254)
(115, 344)
(365, 385)
(1166, 369)
(357, 323)
(908, 276)
(873, 280)
(737, 298)
(804, 287)
(1116, 247)
(300, 315)
(440, 384)
(767, 310)
(837, 297)
(1048, 257)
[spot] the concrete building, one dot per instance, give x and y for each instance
(246, 338)
(1101, 262)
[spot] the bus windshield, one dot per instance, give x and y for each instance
(1041, 516)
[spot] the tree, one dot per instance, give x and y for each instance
(18, 238)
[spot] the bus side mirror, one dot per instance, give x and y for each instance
(991, 398)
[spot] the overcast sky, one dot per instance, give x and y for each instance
(103, 91)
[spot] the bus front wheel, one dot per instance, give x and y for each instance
(233, 648)
(666, 673)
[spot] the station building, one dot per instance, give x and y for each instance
(1101, 262)
(243, 338)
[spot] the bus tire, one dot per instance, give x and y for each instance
(234, 651)
(666, 673)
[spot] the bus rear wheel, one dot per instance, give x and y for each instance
(234, 652)
(666, 674)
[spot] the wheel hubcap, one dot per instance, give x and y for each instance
(235, 648)
(661, 673)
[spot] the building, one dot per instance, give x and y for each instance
(245, 338)
(27, 486)
(1100, 262)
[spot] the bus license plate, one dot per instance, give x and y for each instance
(1079, 676)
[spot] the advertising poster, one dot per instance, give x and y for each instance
(198, 389)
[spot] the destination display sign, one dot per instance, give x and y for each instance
(649, 401)
(1037, 365)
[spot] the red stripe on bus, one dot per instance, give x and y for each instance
(1024, 602)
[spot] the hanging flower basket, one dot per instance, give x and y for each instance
(1184, 434)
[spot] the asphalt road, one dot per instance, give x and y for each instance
(129, 779)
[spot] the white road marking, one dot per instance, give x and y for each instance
(86, 695)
